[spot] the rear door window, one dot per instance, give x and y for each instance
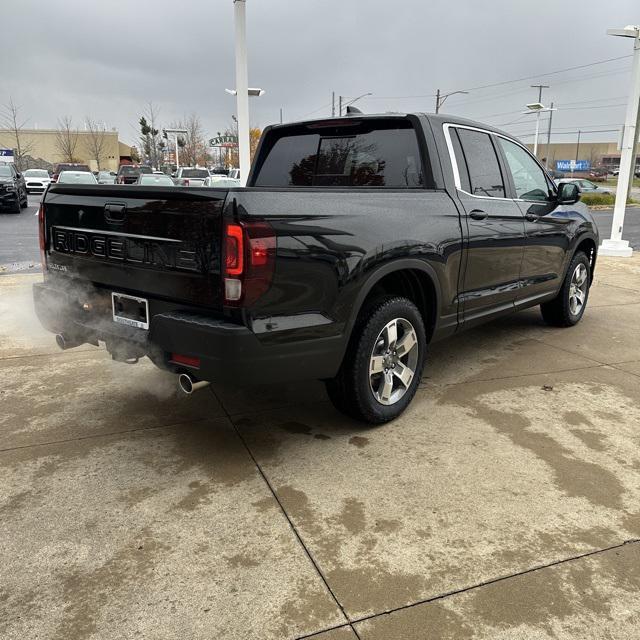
(365, 154)
(485, 177)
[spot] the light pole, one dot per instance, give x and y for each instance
(440, 98)
(342, 105)
(615, 245)
(537, 108)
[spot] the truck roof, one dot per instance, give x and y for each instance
(435, 118)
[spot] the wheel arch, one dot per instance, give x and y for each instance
(586, 243)
(405, 276)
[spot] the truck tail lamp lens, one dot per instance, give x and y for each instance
(248, 261)
(188, 361)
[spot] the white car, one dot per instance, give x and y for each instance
(106, 177)
(37, 180)
(77, 177)
(221, 182)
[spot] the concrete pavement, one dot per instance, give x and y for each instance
(505, 503)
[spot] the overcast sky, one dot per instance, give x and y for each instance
(107, 59)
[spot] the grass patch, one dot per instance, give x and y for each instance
(591, 199)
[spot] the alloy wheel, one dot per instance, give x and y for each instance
(393, 361)
(578, 289)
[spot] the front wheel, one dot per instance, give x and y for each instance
(383, 364)
(568, 307)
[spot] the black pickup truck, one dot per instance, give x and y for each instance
(357, 242)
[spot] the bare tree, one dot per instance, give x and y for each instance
(13, 122)
(96, 140)
(66, 139)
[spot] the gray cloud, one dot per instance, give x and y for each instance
(107, 59)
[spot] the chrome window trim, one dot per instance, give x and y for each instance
(456, 172)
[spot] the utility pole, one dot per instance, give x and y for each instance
(333, 104)
(280, 115)
(437, 100)
(339, 105)
(577, 152)
(546, 164)
(242, 89)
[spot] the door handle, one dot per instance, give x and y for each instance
(478, 214)
(531, 217)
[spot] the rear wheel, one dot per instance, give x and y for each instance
(25, 202)
(568, 307)
(382, 367)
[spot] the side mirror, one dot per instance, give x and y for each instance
(568, 193)
(18, 175)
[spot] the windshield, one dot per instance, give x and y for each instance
(194, 173)
(36, 173)
(5, 172)
(160, 181)
(76, 177)
(131, 170)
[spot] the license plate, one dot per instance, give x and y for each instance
(130, 310)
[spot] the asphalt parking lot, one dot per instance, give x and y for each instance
(505, 503)
(19, 251)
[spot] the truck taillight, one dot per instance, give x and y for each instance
(41, 234)
(249, 251)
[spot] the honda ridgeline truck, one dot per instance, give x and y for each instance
(357, 242)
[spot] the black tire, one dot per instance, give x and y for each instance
(351, 390)
(559, 312)
(25, 203)
(17, 205)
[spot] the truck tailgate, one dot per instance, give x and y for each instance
(154, 241)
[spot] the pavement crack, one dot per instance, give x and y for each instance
(492, 581)
(288, 518)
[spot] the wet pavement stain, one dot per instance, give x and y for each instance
(86, 592)
(296, 427)
(592, 439)
(359, 441)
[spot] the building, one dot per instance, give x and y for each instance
(587, 154)
(44, 150)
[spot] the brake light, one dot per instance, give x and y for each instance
(249, 251)
(41, 234)
(185, 182)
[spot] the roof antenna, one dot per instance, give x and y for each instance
(352, 110)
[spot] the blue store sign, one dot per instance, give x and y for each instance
(6, 153)
(573, 165)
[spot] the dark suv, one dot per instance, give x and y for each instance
(13, 190)
(129, 173)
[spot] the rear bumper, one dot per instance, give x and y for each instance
(228, 352)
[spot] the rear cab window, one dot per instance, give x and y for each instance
(343, 153)
(478, 164)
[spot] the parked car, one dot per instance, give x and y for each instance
(106, 177)
(37, 180)
(556, 175)
(128, 173)
(357, 243)
(155, 180)
(190, 176)
(76, 177)
(13, 189)
(221, 182)
(586, 186)
(67, 166)
(234, 173)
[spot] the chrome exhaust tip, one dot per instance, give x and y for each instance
(188, 384)
(64, 342)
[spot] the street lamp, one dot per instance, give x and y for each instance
(537, 108)
(615, 245)
(346, 104)
(253, 92)
(440, 98)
